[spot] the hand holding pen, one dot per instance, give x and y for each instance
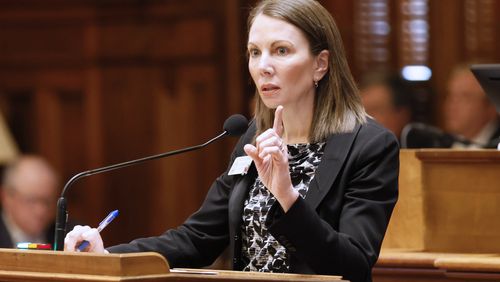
(84, 244)
(86, 236)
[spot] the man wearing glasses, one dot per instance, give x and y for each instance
(28, 194)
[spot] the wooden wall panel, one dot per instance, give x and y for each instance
(185, 178)
(447, 33)
(18, 109)
(127, 126)
(101, 82)
(193, 37)
(40, 43)
(157, 40)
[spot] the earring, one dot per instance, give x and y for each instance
(315, 83)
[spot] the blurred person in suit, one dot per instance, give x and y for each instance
(468, 112)
(387, 97)
(28, 195)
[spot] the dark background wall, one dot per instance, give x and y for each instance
(91, 83)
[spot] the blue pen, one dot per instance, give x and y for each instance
(101, 226)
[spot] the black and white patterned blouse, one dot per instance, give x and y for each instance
(261, 251)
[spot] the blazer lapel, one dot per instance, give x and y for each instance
(337, 148)
(240, 192)
(242, 185)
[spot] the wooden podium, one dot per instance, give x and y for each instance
(449, 201)
(445, 226)
(413, 266)
(34, 265)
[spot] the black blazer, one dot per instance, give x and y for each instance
(6, 240)
(495, 138)
(336, 230)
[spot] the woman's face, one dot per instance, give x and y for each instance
(281, 64)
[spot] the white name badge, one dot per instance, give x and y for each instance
(240, 165)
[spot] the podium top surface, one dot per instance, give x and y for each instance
(37, 265)
(455, 155)
(449, 262)
(83, 263)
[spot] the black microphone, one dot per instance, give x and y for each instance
(235, 125)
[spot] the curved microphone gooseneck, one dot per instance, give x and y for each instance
(235, 125)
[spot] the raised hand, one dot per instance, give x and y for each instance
(270, 156)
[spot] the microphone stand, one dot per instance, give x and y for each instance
(62, 211)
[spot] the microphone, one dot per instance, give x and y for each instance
(235, 125)
(421, 135)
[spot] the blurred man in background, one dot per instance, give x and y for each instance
(387, 98)
(468, 113)
(28, 194)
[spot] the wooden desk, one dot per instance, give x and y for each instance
(470, 268)
(400, 266)
(414, 266)
(31, 266)
(448, 214)
(448, 202)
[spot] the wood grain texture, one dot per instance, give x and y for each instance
(448, 202)
(32, 265)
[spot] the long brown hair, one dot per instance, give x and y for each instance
(337, 105)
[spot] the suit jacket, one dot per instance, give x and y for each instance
(6, 240)
(495, 138)
(336, 230)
